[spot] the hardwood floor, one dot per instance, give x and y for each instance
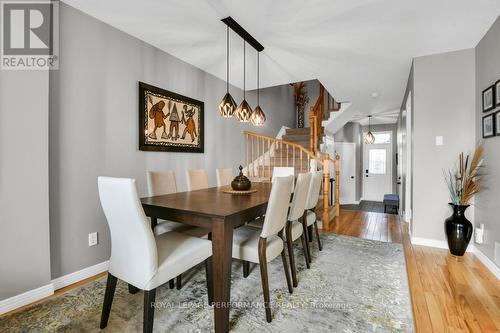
(449, 294)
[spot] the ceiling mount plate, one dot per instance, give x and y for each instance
(231, 23)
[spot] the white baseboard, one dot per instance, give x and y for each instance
(488, 263)
(26, 298)
(440, 244)
(34, 295)
(82, 274)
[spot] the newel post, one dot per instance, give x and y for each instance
(326, 196)
(337, 185)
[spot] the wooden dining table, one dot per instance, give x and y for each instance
(219, 212)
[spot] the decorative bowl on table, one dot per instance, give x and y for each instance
(241, 182)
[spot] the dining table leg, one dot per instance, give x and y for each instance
(222, 246)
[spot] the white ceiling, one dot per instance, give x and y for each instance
(354, 47)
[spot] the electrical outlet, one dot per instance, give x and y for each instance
(93, 239)
(497, 253)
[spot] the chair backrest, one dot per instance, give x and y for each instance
(224, 176)
(314, 188)
(134, 257)
(196, 179)
(282, 172)
(299, 196)
(277, 207)
(161, 182)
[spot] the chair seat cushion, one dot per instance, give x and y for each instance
(166, 226)
(246, 245)
(297, 230)
(311, 217)
(176, 254)
(391, 199)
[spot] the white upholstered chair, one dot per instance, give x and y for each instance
(312, 201)
(196, 179)
(263, 245)
(161, 183)
(224, 176)
(137, 256)
(283, 172)
(295, 228)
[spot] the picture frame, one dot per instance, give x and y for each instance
(489, 126)
(489, 98)
(497, 123)
(497, 93)
(169, 122)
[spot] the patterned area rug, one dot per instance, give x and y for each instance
(353, 285)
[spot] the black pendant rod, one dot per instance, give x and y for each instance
(244, 71)
(258, 79)
(227, 59)
(230, 22)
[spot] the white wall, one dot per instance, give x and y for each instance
(444, 104)
(24, 182)
(93, 128)
(486, 203)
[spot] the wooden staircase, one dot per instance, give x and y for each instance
(298, 148)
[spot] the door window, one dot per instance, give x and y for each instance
(377, 161)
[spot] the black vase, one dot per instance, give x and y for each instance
(458, 230)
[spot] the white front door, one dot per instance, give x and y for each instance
(377, 171)
(347, 152)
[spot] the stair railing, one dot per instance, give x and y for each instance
(316, 115)
(262, 151)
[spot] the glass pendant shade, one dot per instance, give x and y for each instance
(258, 117)
(244, 112)
(369, 138)
(227, 106)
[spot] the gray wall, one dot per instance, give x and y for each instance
(93, 128)
(486, 202)
(444, 101)
(24, 182)
(351, 132)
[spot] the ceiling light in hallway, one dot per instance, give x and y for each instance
(369, 137)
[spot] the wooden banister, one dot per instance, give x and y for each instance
(257, 168)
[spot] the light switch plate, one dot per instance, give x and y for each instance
(439, 140)
(93, 239)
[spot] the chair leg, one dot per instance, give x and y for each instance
(317, 236)
(132, 289)
(149, 310)
(246, 268)
(285, 265)
(210, 283)
(289, 243)
(305, 233)
(108, 299)
(264, 277)
(171, 284)
(179, 282)
(306, 255)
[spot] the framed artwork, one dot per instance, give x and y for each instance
(497, 93)
(169, 121)
(497, 123)
(489, 99)
(489, 126)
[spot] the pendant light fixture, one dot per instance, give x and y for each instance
(244, 111)
(227, 106)
(369, 137)
(258, 117)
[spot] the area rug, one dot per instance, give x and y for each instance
(353, 285)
